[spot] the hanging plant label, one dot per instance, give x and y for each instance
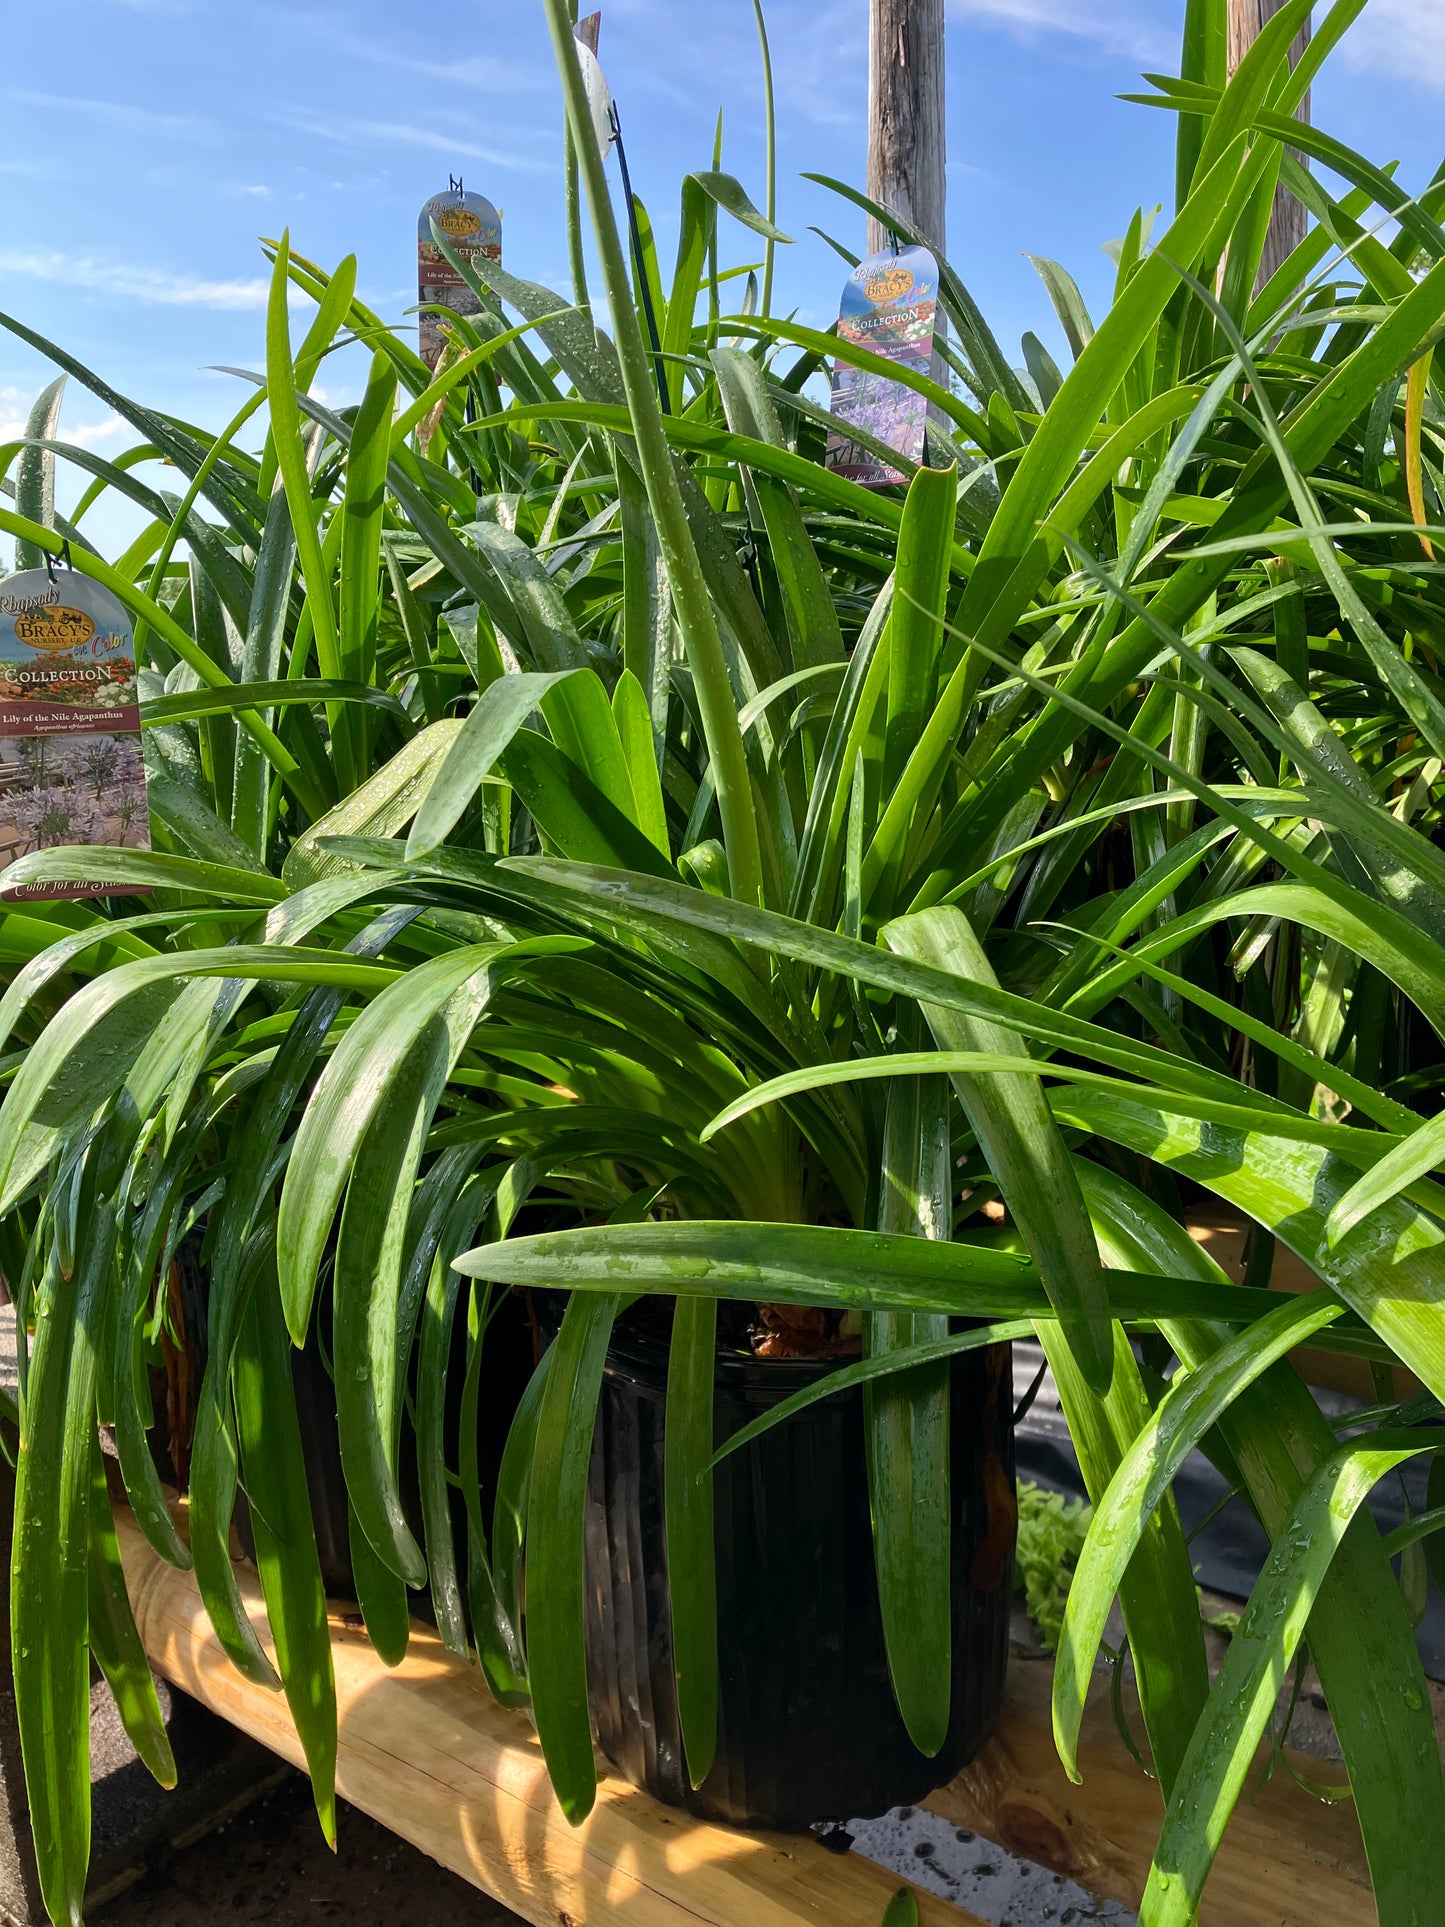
(473, 229)
(599, 95)
(889, 305)
(70, 758)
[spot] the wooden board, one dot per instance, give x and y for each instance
(1288, 1860)
(425, 1750)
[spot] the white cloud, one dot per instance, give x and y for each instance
(357, 133)
(1112, 30)
(485, 73)
(134, 282)
(87, 434)
(1402, 38)
(819, 50)
(122, 114)
(15, 404)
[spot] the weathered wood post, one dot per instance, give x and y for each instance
(906, 141)
(1287, 227)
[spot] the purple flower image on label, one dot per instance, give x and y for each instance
(889, 308)
(71, 770)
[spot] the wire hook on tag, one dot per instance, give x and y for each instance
(65, 561)
(454, 183)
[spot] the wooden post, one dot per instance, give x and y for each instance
(1288, 225)
(906, 142)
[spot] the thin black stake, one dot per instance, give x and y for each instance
(644, 287)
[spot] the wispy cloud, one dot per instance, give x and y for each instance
(819, 49)
(132, 281)
(122, 114)
(88, 434)
(362, 133)
(1402, 38)
(14, 403)
(484, 73)
(1113, 29)
(15, 409)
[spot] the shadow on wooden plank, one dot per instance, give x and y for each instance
(426, 1751)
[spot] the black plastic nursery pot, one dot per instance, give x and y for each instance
(511, 1358)
(809, 1730)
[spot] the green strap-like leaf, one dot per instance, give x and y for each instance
(285, 412)
(494, 720)
(1015, 1128)
(1360, 1634)
(275, 1471)
(348, 1097)
(1421, 1152)
(902, 1909)
(366, 1292)
(801, 1264)
(362, 509)
(556, 1650)
(1145, 1475)
(907, 1425)
(1387, 1271)
(688, 1517)
(35, 470)
(114, 1639)
(49, 1568)
(1255, 1666)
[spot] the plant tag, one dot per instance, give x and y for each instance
(473, 229)
(599, 94)
(889, 304)
(70, 759)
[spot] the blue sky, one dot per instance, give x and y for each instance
(149, 143)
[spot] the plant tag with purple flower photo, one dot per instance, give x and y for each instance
(70, 759)
(888, 308)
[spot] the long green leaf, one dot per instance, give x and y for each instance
(556, 1655)
(688, 1513)
(1148, 1469)
(907, 1420)
(35, 470)
(1360, 1634)
(114, 1640)
(1255, 1668)
(274, 1466)
(1021, 1142)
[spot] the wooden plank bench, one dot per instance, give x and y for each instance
(1288, 1860)
(427, 1752)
